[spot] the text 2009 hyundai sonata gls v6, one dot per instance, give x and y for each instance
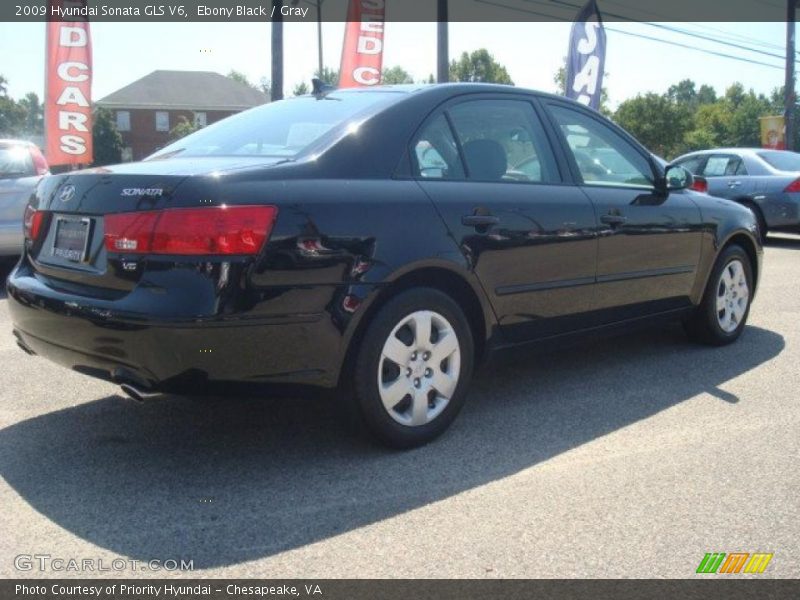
(380, 240)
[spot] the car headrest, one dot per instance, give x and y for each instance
(486, 160)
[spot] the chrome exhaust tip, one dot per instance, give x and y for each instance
(136, 393)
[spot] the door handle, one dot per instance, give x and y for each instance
(479, 220)
(734, 184)
(614, 219)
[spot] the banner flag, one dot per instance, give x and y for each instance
(68, 90)
(773, 132)
(587, 57)
(362, 54)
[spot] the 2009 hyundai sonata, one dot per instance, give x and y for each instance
(381, 241)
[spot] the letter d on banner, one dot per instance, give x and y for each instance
(68, 92)
(362, 54)
(587, 57)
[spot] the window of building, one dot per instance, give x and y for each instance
(162, 121)
(123, 120)
(200, 119)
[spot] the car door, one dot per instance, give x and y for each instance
(727, 176)
(488, 165)
(649, 241)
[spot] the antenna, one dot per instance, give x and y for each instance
(320, 88)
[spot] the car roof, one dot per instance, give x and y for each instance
(10, 142)
(452, 88)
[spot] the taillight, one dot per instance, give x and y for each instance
(793, 187)
(700, 185)
(39, 162)
(223, 230)
(32, 223)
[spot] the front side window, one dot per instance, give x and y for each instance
(724, 165)
(503, 140)
(123, 120)
(602, 155)
(436, 153)
(693, 164)
(162, 121)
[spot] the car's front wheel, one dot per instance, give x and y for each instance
(722, 315)
(413, 368)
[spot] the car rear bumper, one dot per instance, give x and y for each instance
(191, 356)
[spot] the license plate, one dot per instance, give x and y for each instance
(72, 238)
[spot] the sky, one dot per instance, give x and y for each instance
(532, 53)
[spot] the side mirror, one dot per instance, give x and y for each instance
(676, 178)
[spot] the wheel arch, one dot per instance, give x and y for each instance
(459, 284)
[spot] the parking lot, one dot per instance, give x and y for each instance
(629, 457)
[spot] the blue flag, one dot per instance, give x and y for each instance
(587, 57)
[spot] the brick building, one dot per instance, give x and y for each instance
(146, 110)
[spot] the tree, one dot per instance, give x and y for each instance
(328, 76)
(3, 86)
(655, 121)
(479, 66)
(241, 78)
(182, 128)
(430, 79)
(396, 75)
(106, 139)
(12, 117)
(34, 114)
(301, 89)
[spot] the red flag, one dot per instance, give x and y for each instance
(68, 90)
(362, 54)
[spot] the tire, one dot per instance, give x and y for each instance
(722, 314)
(393, 360)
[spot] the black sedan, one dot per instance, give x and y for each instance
(381, 242)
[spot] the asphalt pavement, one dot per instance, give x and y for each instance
(627, 457)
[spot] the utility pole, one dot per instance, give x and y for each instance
(319, 36)
(277, 51)
(443, 43)
(789, 87)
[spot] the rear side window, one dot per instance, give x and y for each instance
(724, 165)
(603, 156)
(503, 140)
(15, 161)
(436, 153)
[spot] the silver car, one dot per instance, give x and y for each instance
(767, 181)
(22, 165)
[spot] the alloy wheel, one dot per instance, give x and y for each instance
(419, 368)
(733, 295)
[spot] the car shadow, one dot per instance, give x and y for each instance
(220, 482)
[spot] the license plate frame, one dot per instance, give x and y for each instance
(75, 252)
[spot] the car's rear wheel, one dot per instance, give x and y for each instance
(413, 368)
(722, 315)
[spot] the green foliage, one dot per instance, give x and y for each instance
(241, 78)
(106, 139)
(396, 75)
(301, 89)
(479, 66)
(182, 128)
(560, 79)
(688, 118)
(328, 76)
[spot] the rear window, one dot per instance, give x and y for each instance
(280, 129)
(783, 161)
(15, 161)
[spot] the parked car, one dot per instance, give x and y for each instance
(22, 165)
(372, 241)
(766, 181)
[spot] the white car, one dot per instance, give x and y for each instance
(22, 165)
